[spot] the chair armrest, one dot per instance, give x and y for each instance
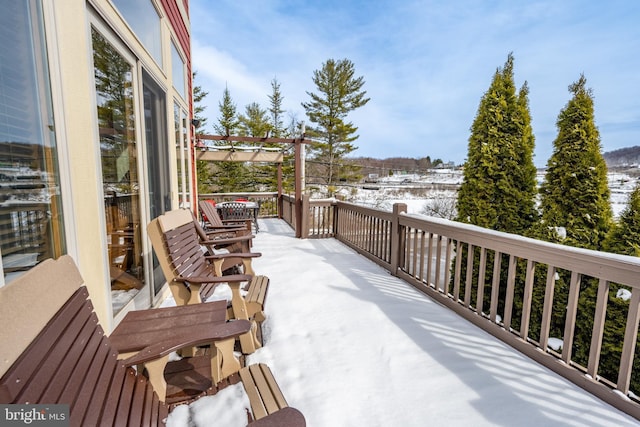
(285, 417)
(225, 227)
(204, 334)
(234, 255)
(234, 232)
(215, 279)
(227, 240)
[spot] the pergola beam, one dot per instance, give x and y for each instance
(239, 156)
(251, 139)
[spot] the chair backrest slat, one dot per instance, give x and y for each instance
(211, 213)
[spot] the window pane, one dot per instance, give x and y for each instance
(141, 15)
(177, 67)
(182, 154)
(118, 152)
(31, 223)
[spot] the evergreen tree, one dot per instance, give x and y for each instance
(339, 93)
(275, 110)
(499, 187)
(499, 178)
(204, 173)
(198, 109)
(575, 191)
(576, 211)
(279, 130)
(228, 121)
(624, 237)
(255, 122)
(230, 176)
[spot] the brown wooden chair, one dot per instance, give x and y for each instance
(214, 222)
(192, 275)
(237, 241)
(56, 352)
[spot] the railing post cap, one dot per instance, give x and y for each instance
(399, 208)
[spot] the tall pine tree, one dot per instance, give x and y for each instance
(230, 176)
(575, 193)
(278, 130)
(339, 93)
(255, 122)
(576, 210)
(499, 186)
(275, 110)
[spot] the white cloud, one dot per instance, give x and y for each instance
(427, 64)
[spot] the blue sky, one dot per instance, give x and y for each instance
(426, 64)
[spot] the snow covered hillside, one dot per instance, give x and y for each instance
(434, 193)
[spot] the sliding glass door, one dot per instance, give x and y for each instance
(157, 148)
(114, 73)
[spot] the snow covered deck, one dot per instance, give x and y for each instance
(352, 345)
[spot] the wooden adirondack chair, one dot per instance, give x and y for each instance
(56, 352)
(192, 277)
(236, 241)
(214, 222)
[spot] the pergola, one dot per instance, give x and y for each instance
(234, 152)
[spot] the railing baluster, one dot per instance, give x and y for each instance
(456, 275)
(437, 261)
(629, 345)
(414, 267)
(547, 309)
(447, 266)
(481, 278)
(429, 256)
(422, 258)
(495, 286)
(469, 278)
(598, 328)
(526, 299)
(511, 283)
(570, 321)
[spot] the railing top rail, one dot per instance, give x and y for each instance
(613, 267)
(239, 193)
(322, 202)
(366, 210)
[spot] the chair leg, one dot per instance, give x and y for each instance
(248, 342)
(223, 362)
(155, 371)
(247, 267)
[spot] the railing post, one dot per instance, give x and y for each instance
(302, 218)
(334, 218)
(396, 237)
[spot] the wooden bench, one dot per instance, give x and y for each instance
(192, 276)
(55, 352)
